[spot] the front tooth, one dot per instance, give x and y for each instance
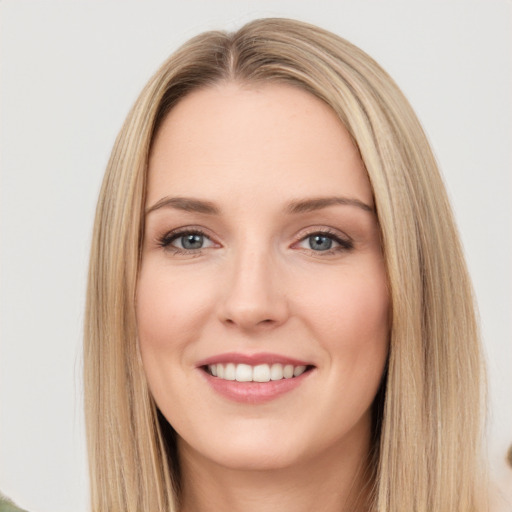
(288, 371)
(220, 371)
(276, 372)
(230, 371)
(243, 373)
(261, 373)
(299, 370)
(213, 369)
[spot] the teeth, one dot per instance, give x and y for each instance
(243, 373)
(230, 371)
(298, 370)
(288, 371)
(276, 372)
(258, 373)
(261, 373)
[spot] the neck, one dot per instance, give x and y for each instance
(335, 481)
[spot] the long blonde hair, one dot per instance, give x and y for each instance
(426, 453)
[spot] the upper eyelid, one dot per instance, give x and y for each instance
(332, 232)
(341, 239)
(172, 234)
(165, 241)
(175, 233)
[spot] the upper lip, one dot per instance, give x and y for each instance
(252, 359)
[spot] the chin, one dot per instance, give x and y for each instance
(247, 451)
(251, 459)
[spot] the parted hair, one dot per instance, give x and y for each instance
(428, 424)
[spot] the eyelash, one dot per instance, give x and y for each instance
(344, 244)
(166, 242)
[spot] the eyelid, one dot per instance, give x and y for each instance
(343, 241)
(165, 241)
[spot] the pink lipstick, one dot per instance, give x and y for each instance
(254, 378)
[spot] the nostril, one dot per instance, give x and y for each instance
(249, 321)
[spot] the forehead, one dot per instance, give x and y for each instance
(273, 139)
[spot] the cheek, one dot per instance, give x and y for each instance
(352, 308)
(172, 309)
(171, 312)
(351, 319)
(349, 316)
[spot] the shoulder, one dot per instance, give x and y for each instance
(500, 498)
(6, 505)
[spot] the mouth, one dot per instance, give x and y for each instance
(254, 378)
(255, 373)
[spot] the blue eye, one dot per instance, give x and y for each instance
(186, 241)
(325, 242)
(320, 242)
(190, 241)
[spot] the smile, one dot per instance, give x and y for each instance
(254, 378)
(258, 373)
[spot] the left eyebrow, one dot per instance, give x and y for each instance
(317, 203)
(186, 204)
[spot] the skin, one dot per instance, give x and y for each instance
(257, 285)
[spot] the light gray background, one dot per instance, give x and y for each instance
(69, 73)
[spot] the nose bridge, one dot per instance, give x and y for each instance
(253, 294)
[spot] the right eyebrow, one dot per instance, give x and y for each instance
(186, 204)
(317, 203)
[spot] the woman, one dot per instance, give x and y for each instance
(279, 315)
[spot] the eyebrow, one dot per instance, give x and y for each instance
(186, 204)
(309, 205)
(189, 204)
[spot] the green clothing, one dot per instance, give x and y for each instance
(6, 505)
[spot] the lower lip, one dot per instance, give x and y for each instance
(254, 392)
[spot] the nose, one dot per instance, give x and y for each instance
(254, 295)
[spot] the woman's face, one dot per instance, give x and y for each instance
(261, 261)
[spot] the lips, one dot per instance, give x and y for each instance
(259, 373)
(254, 378)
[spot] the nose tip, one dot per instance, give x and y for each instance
(249, 316)
(254, 298)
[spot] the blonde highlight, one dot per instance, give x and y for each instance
(426, 450)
